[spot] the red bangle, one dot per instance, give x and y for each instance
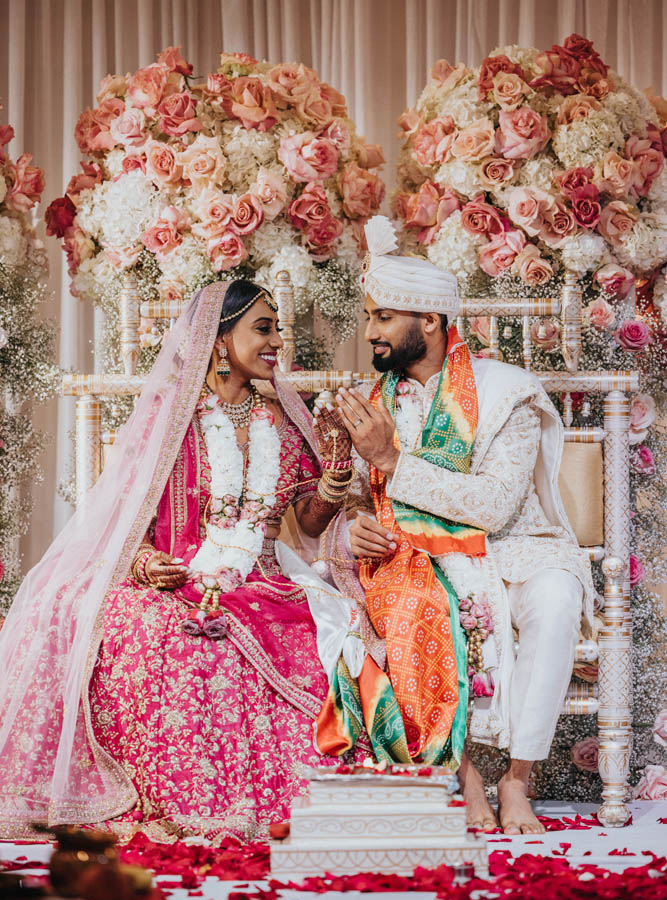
(343, 465)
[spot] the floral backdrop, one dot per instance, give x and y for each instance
(510, 173)
(27, 351)
(255, 169)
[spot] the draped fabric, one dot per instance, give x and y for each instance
(53, 54)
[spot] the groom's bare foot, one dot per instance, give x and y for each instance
(478, 813)
(516, 813)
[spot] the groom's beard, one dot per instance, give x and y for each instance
(411, 349)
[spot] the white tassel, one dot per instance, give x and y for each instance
(380, 236)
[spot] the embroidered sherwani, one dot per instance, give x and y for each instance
(511, 493)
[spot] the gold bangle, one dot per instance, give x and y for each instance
(327, 497)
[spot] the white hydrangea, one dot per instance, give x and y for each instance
(523, 56)
(455, 249)
(248, 150)
(94, 277)
(658, 191)
(265, 243)
(462, 103)
(623, 105)
(118, 212)
(582, 252)
(537, 173)
(348, 249)
(645, 247)
(461, 176)
(113, 162)
(13, 241)
(188, 263)
(660, 294)
(582, 142)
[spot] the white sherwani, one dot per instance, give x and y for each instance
(534, 573)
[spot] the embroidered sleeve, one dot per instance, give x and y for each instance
(309, 473)
(487, 499)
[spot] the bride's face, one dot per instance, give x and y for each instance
(253, 343)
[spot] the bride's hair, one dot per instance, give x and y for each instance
(240, 296)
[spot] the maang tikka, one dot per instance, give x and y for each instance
(223, 363)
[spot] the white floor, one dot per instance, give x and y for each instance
(593, 846)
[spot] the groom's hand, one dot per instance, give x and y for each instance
(369, 539)
(372, 430)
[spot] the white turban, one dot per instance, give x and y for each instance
(404, 282)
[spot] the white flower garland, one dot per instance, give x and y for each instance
(235, 533)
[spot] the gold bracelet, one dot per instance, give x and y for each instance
(321, 492)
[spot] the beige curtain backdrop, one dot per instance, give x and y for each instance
(53, 54)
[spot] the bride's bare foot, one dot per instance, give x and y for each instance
(516, 813)
(478, 813)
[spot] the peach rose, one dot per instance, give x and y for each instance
(162, 165)
(599, 314)
(529, 207)
(479, 325)
(215, 210)
(171, 58)
(129, 129)
(251, 101)
(320, 238)
(532, 268)
(370, 156)
(315, 108)
(579, 106)
(226, 251)
(203, 163)
(499, 254)
(308, 158)
(545, 333)
(615, 175)
(508, 90)
(362, 191)
(615, 280)
(642, 416)
(428, 209)
(163, 236)
(248, 214)
(593, 83)
(616, 220)
(78, 246)
(653, 784)
(339, 134)
(290, 83)
(399, 204)
(433, 142)
(495, 171)
(123, 257)
(147, 86)
(648, 163)
(446, 75)
(271, 191)
(112, 86)
(171, 290)
(311, 207)
(490, 68)
(474, 142)
(134, 161)
(660, 728)
(334, 98)
(559, 222)
(409, 122)
(478, 217)
(178, 114)
(523, 133)
(92, 130)
(218, 87)
(584, 754)
(25, 184)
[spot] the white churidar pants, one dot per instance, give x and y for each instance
(546, 611)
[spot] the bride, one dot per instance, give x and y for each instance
(160, 669)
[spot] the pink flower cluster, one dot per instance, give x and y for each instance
(24, 182)
(475, 613)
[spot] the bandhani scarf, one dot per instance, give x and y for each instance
(409, 600)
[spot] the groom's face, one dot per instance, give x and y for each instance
(397, 338)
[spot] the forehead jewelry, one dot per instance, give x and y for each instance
(261, 295)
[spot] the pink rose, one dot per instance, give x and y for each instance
(178, 114)
(479, 325)
(586, 206)
(433, 142)
(580, 106)
(446, 75)
(308, 158)
(642, 416)
(636, 570)
(218, 88)
(203, 163)
(641, 461)
(634, 335)
(163, 236)
(593, 83)
(88, 178)
(112, 86)
(508, 90)
(649, 162)
(134, 162)
(409, 122)
(614, 175)
(315, 108)
(558, 71)
(599, 314)
(129, 128)
(399, 204)
(490, 68)
(531, 267)
(311, 207)
(215, 210)
(468, 621)
(660, 728)
(653, 784)
(59, 216)
(320, 238)
(558, 223)
(162, 165)
(123, 257)
(482, 684)
(362, 191)
(616, 220)
(271, 191)
(171, 58)
(615, 280)
(478, 217)
(248, 214)
(523, 133)
(92, 130)
(147, 87)
(474, 142)
(428, 209)
(339, 134)
(545, 333)
(572, 179)
(226, 251)
(78, 246)
(529, 207)
(251, 101)
(25, 184)
(370, 156)
(290, 83)
(495, 171)
(584, 754)
(334, 98)
(501, 251)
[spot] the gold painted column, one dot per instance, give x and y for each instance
(284, 296)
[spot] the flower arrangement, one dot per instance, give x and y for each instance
(477, 622)
(255, 169)
(27, 350)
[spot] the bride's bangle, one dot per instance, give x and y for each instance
(343, 465)
(140, 563)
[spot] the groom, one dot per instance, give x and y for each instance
(459, 457)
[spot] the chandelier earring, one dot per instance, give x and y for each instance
(223, 363)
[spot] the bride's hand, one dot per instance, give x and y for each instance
(166, 572)
(333, 438)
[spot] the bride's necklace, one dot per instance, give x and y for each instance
(238, 413)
